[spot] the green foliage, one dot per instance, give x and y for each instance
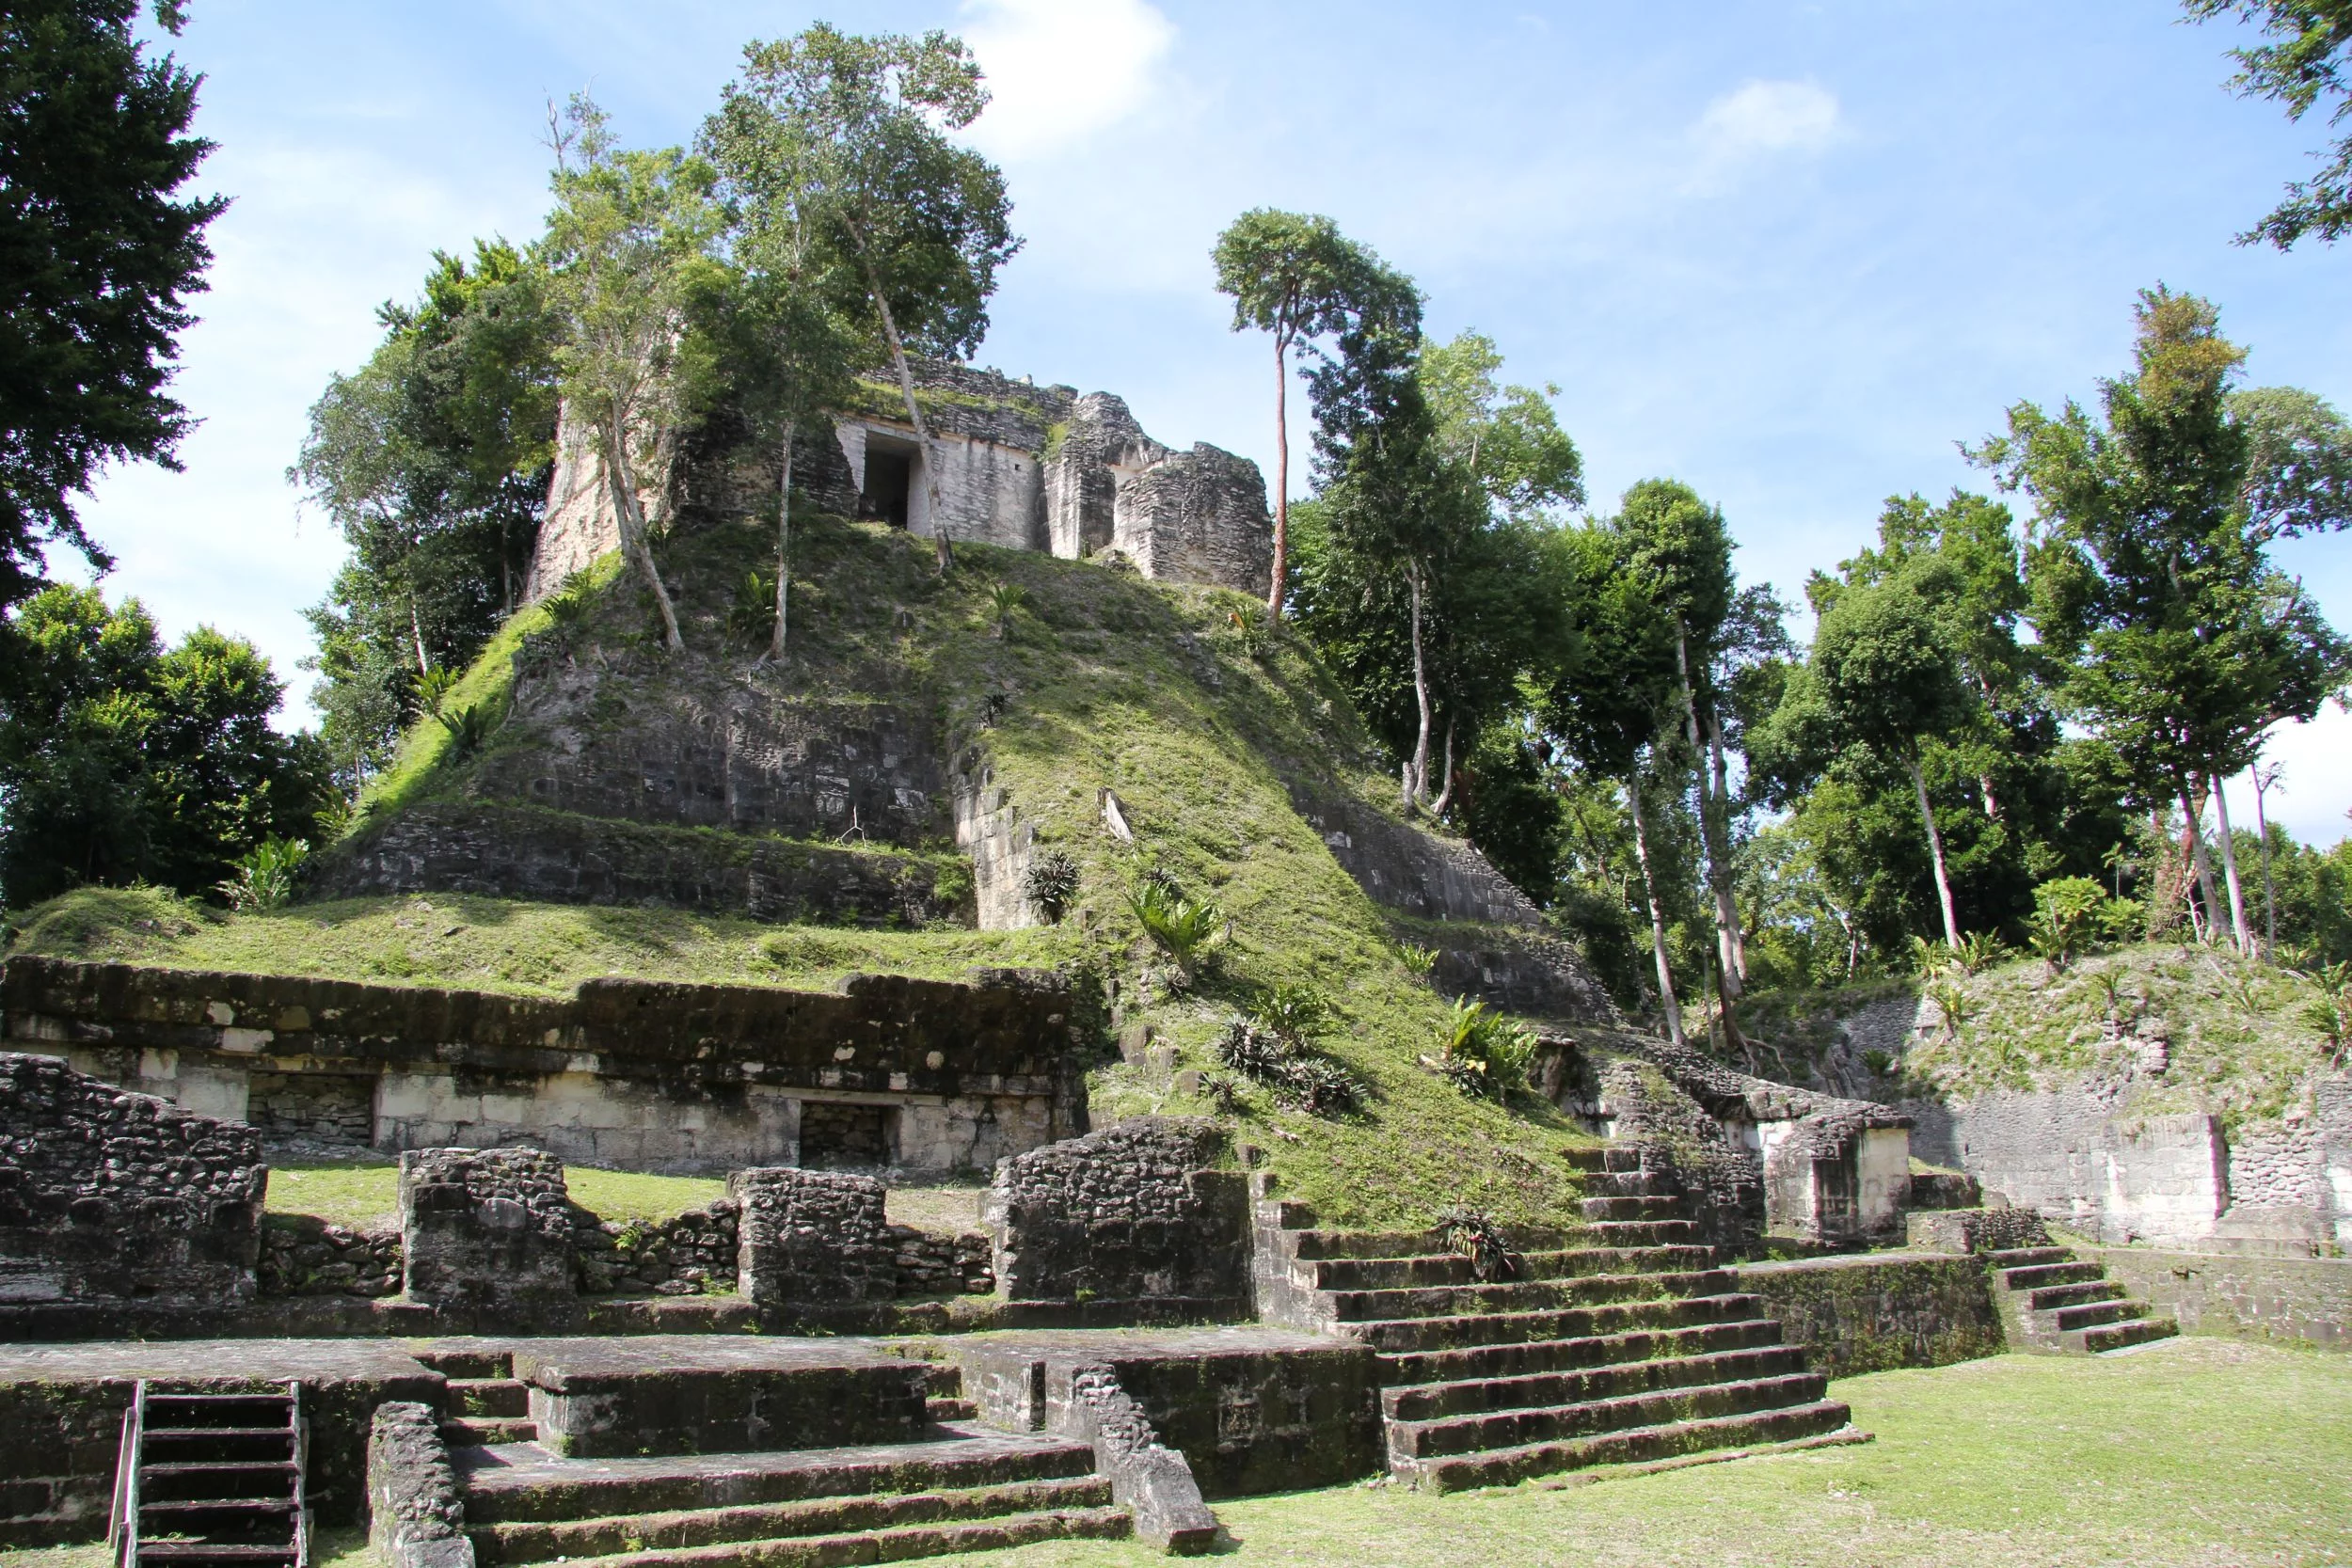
(1184, 929)
(752, 613)
(101, 262)
(1004, 602)
(1300, 1078)
(2300, 65)
(265, 876)
(1291, 1014)
(1052, 881)
(431, 461)
(121, 762)
(2071, 914)
(1475, 1233)
(2331, 1013)
(1483, 1052)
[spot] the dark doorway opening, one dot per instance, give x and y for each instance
(844, 1137)
(889, 474)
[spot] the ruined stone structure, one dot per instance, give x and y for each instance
(110, 1195)
(1011, 464)
(915, 1075)
(1131, 1220)
(487, 1227)
(812, 1237)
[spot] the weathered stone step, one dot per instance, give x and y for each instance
(551, 1541)
(504, 1485)
(1502, 1328)
(942, 1408)
(1539, 1390)
(1626, 1183)
(1552, 1355)
(1630, 1208)
(886, 1545)
(1628, 1446)
(489, 1395)
(1601, 1157)
(2106, 1336)
(1510, 1429)
(2113, 1311)
(2026, 1257)
(1453, 1268)
(1356, 1245)
(2035, 1276)
(1532, 1295)
(469, 1432)
(1644, 1233)
(2051, 1297)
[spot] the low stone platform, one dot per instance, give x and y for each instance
(1252, 1409)
(685, 1394)
(61, 1417)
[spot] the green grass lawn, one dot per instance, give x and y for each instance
(2194, 1452)
(2197, 1451)
(363, 1194)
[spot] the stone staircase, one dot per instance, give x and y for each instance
(214, 1480)
(965, 1490)
(1618, 1341)
(486, 1403)
(2052, 1300)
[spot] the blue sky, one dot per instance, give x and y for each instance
(1789, 253)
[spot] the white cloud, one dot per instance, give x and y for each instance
(1059, 69)
(1770, 117)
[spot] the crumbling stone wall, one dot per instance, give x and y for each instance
(1976, 1229)
(104, 1194)
(932, 1263)
(416, 1513)
(632, 1074)
(305, 1255)
(1133, 1213)
(810, 1236)
(690, 1254)
(1198, 516)
(486, 1226)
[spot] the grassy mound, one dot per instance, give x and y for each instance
(1069, 677)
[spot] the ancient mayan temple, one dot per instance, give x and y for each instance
(1020, 465)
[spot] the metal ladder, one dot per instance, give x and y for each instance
(212, 1479)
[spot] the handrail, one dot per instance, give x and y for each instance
(301, 1428)
(123, 1527)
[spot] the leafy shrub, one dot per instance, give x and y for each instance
(1051, 882)
(1951, 1000)
(2072, 913)
(1183, 930)
(1293, 1014)
(1253, 631)
(1481, 1052)
(1418, 961)
(265, 875)
(1879, 1062)
(752, 615)
(1003, 602)
(1299, 1079)
(2332, 1014)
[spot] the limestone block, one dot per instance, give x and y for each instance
(416, 1514)
(811, 1237)
(486, 1226)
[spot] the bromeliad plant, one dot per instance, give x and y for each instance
(265, 875)
(1481, 1052)
(1299, 1077)
(1181, 927)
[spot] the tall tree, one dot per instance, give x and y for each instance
(2301, 66)
(1610, 700)
(1680, 547)
(864, 122)
(2184, 645)
(97, 260)
(1296, 277)
(630, 242)
(122, 761)
(433, 462)
(791, 355)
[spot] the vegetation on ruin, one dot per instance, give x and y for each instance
(1111, 682)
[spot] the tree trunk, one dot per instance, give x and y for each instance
(1421, 688)
(416, 630)
(1712, 832)
(783, 544)
(1730, 906)
(1436, 807)
(2197, 859)
(1666, 1002)
(1935, 850)
(2270, 892)
(632, 526)
(2228, 869)
(1281, 475)
(946, 553)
